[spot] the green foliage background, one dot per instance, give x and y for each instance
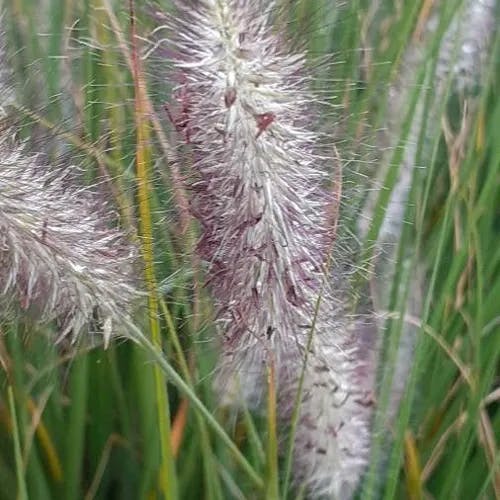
(82, 422)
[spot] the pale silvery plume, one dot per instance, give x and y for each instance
(243, 106)
(465, 48)
(60, 258)
(462, 58)
(58, 255)
(464, 52)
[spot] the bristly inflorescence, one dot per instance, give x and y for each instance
(259, 164)
(60, 257)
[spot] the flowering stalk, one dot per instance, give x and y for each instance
(59, 256)
(243, 106)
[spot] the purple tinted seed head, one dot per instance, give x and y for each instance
(260, 169)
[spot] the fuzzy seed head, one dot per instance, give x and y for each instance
(259, 166)
(60, 257)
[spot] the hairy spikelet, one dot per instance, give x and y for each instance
(58, 255)
(243, 107)
(463, 55)
(60, 258)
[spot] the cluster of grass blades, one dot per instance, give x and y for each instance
(139, 419)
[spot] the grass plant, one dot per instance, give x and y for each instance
(140, 419)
